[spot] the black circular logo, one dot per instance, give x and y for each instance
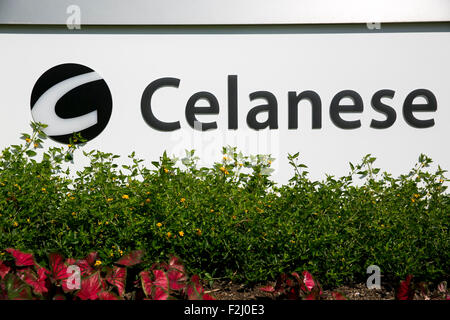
(71, 98)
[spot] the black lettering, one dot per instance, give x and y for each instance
(146, 104)
(336, 109)
(409, 107)
(271, 107)
(316, 104)
(192, 110)
(388, 111)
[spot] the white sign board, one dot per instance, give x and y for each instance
(161, 75)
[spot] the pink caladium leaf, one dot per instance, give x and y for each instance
(106, 295)
(146, 282)
(160, 294)
(308, 280)
(91, 258)
(405, 291)
(177, 279)
(208, 297)
(90, 287)
(36, 281)
(131, 259)
(338, 296)
(117, 277)
(22, 259)
(85, 267)
(269, 289)
(174, 263)
(161, 285)
(194, 289)
(4, 269)
(16, 288)
(58, 269)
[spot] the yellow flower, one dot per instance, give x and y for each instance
(97, 263)
(270, 162)
(15, 224)
(212, 210)
(234, 217)
(72, 198)
(74, 213)
(112, 254)
(28, 220)
(36, 145)
(69, 145)
(416, 195)
(240, 164)
(413, 200)
(147, 200)
(28, 140)
(159, 224)
(292, 241)
(121, 252)
(43, 189)
(339, 217)
(166, 170)
(199, 232)
(382, 225)
(107, 222)
(222, 169)
(169, 234)
(125, 196)
(226, 172)
(181, 233)
(182, 199)
(343, 259)
(109, 199)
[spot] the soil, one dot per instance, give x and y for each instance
(233, 291)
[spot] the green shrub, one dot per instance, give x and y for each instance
(228, 220)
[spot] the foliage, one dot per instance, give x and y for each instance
(22, 278)
(228, 220)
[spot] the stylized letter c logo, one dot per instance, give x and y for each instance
(71, 98)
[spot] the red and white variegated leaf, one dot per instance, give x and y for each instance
(338, 296)
(174, 263)
(4, 269)
(195, 289)
(177, 279)
(160, 294)
(308, 280)
(146, 283)
(58, 269)
(36, 281)
(117, 277)
(106, 295)
(131, 259)
(22, 259)
(91, 258)
(90, 287)
(269, 289)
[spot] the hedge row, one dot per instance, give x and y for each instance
(228, 220)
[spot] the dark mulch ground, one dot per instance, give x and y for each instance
(232, 291)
